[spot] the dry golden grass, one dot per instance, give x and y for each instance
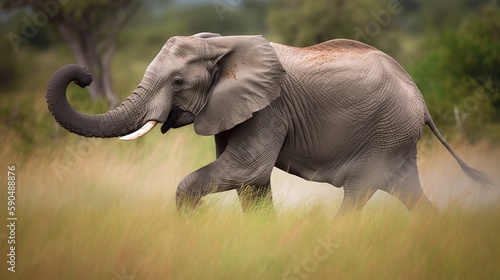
(108, 213)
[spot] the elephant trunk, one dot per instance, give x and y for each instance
(130, 116)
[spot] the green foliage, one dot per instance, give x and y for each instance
(97, 10)
(302, 22)
(147, 35)
(378, 23)
(244, 19)
(460, 74)
(8, 67)
(478, 43)
(434, 16)
(101, 18)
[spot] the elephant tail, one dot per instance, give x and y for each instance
(474, 174)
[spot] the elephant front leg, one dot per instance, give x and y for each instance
(245, 157)
(196, 185)
(216, 177)
(256, 197)
(249, 175)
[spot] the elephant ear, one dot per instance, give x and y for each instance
(249, 78)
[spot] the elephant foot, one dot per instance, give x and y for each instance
(186, 204)
(257, 200)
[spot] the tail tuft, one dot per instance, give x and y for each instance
(476, 175)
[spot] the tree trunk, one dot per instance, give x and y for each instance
(106, 76)
(86, 53)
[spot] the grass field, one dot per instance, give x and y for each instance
(104, 209)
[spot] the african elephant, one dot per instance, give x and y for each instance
(340, 112)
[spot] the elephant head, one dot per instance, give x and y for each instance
(214, 81)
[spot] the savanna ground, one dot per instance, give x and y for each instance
(104, 209)
(111, 215)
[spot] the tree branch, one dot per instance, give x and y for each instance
(128, 14)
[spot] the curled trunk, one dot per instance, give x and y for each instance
(125, 119)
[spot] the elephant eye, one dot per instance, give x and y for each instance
(178, 81)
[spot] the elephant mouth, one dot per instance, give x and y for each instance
(176, 119)
(145, 129)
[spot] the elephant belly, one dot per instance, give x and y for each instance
(319, 169)
(328, 153)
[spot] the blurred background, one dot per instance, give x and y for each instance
(450, 48)
(102, 207)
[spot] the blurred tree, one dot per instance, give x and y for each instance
(89, 28)
(433, 15)
(8, 67)
(459, 73)
(243, 18)
(302, 22)
(476, 45)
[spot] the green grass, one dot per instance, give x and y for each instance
(111, 211)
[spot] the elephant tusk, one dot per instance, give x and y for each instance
(140, 132)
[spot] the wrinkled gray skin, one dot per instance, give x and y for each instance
(339, 112)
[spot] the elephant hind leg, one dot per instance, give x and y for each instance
(359, 187)
(355, 198)
(256, 197)
(404, 184)
(409, 191)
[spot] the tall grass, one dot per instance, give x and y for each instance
(110, 214)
